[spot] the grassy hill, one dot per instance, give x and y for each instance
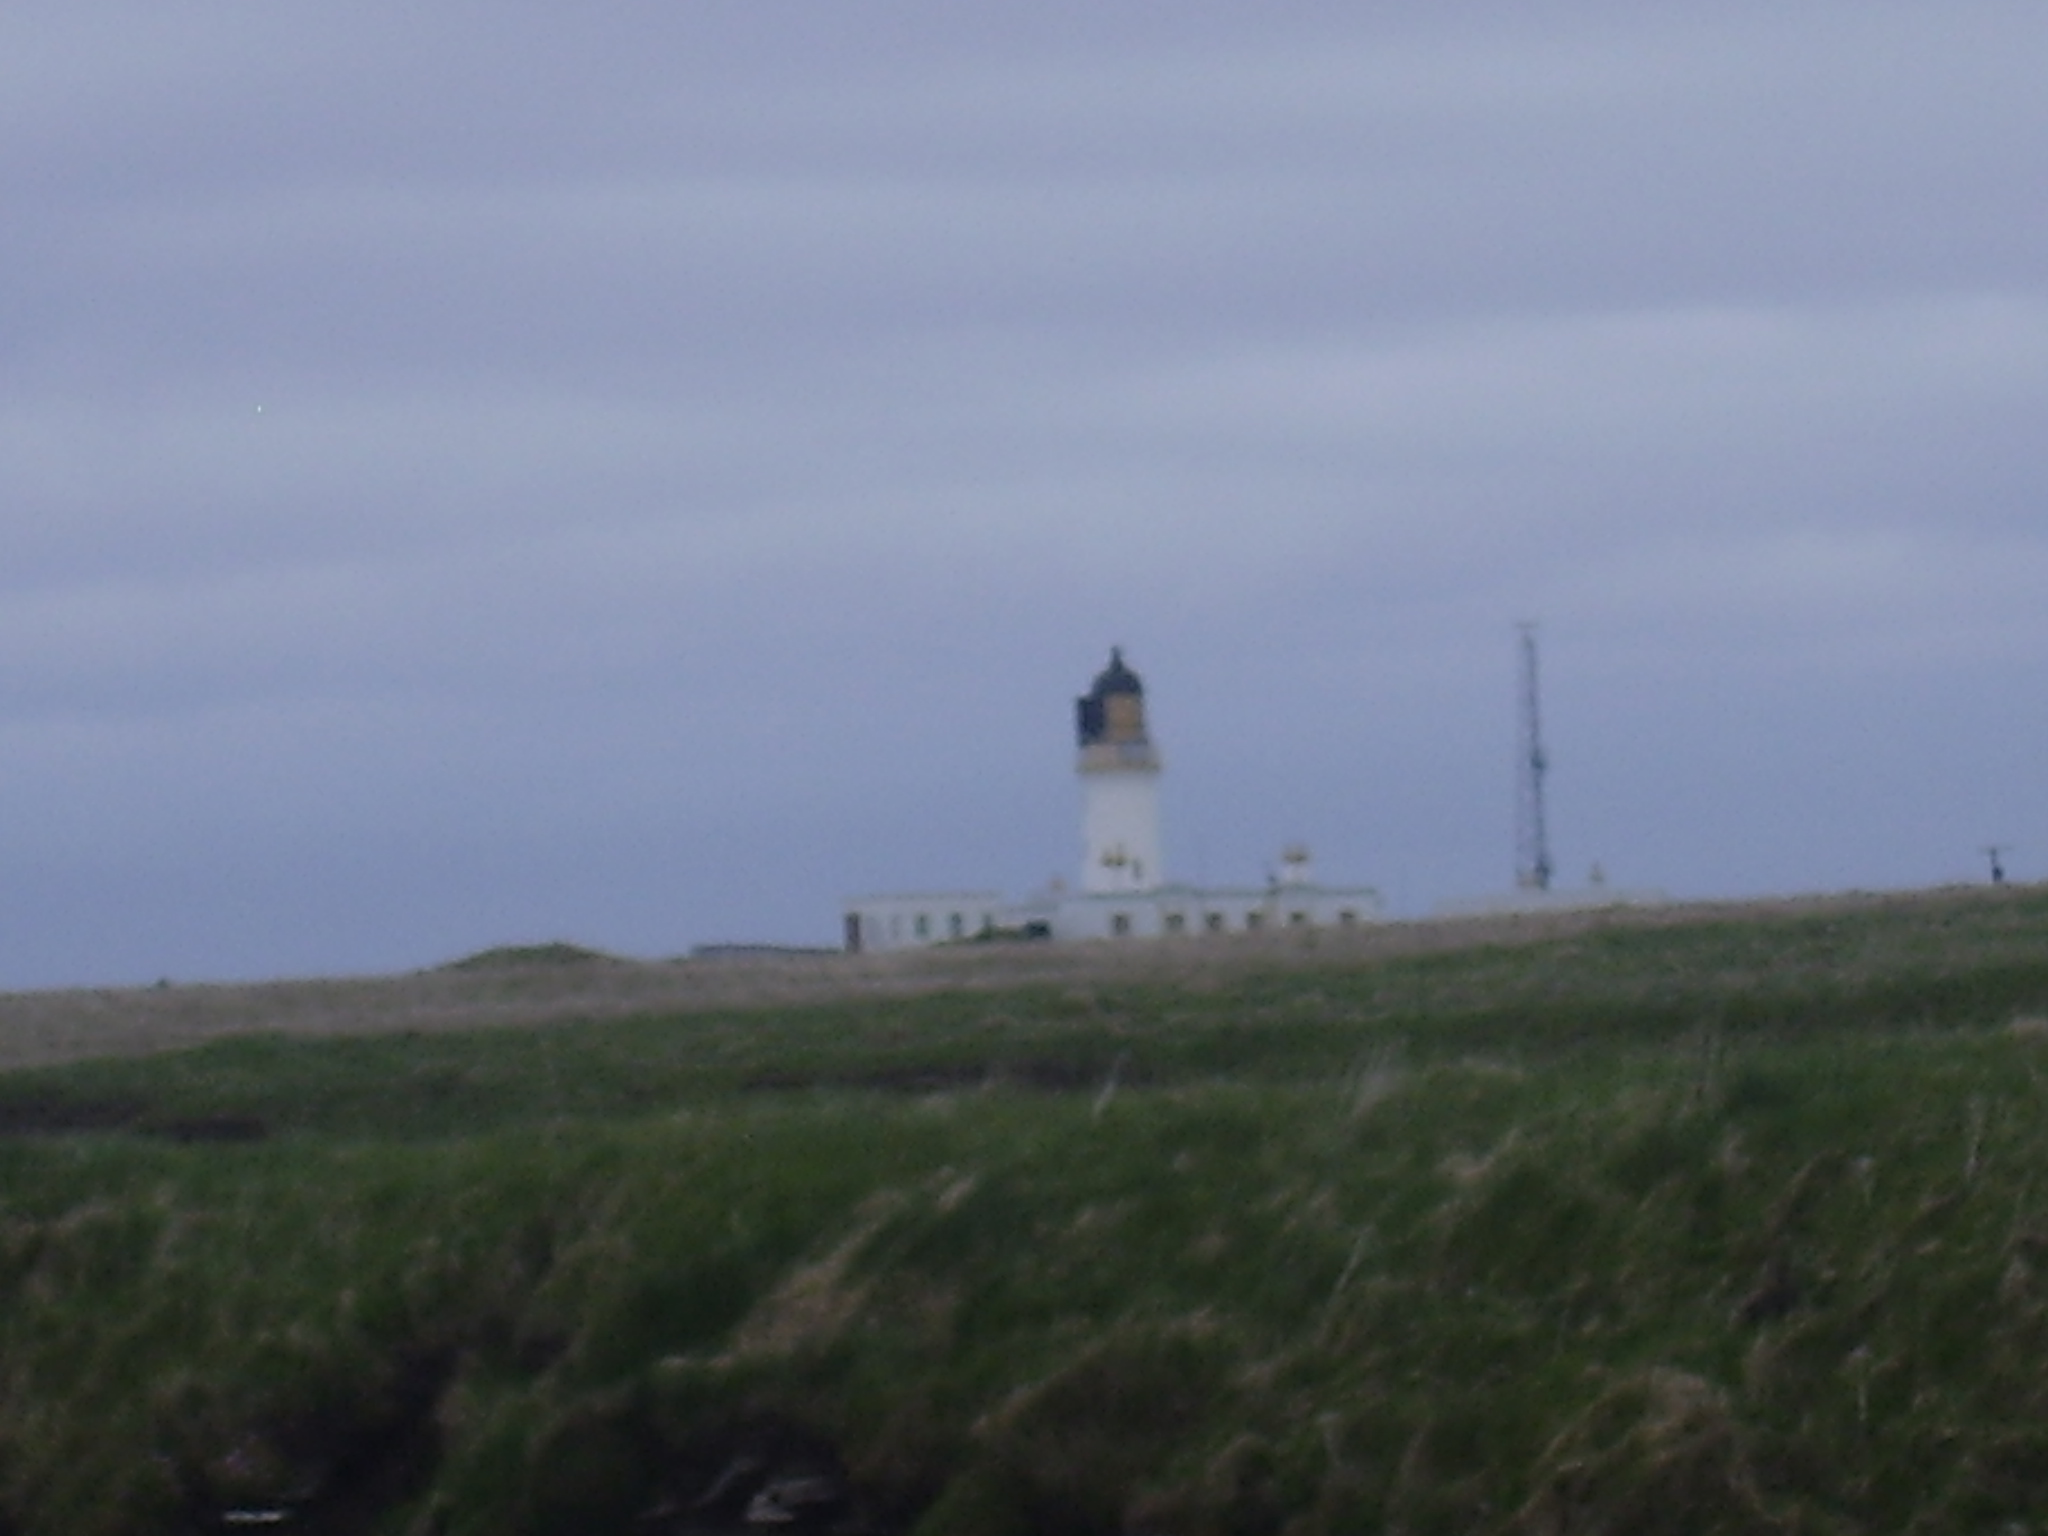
(1712, 1220)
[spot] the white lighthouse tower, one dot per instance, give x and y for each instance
(1119, 786)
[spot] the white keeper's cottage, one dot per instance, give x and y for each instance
(1124, 891)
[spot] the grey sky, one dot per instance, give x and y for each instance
(472, 474)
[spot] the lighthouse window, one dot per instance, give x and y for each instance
(1120, 923)
(1213, 922)
(956, 925)
(923, 926)
(1176, 923)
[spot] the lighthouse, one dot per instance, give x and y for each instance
(1119, 773)
(1124, 892)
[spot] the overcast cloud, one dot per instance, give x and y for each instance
(482, 474)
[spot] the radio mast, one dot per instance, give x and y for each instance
(1532, 837)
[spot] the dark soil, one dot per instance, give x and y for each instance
(57, 1115)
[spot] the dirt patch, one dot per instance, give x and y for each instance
(56, 1116)
(206, 1128)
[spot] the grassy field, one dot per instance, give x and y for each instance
(1697, 1221)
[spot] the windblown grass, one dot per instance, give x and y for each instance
(1729, 1225)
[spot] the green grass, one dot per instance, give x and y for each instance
(1725, 1226)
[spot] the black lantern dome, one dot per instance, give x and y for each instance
(1114, 709)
